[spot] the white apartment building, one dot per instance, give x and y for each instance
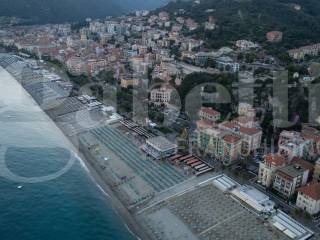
(246, 121)
(245, 45)
(76, 66)
(316, 173)
(251, 139)
(267, 168)
(139, 65)
(207, 113)
(246, 109)
(160, 96)
(309, 198)
(291, 144)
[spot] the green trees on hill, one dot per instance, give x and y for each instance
(57, 11)
(253, 19)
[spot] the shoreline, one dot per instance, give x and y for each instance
(128, 219)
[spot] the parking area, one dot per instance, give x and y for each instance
(193, 162)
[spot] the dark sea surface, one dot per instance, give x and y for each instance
(35, 202)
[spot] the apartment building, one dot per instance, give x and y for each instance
(291, 144)
(211, 23)
(309, 198)
(289, 178)
(223, 146)
(202, 124)
(246, 109)
(227, 64)
(251, 139)
(274, 36)
(231, 149)
(246, 121)
(313, 135)
(316, 173)
(160, 96)
(95, 66)
(245, 45)
(126, 82)
(76, 66)
(251, 136)
(210, 140)
(300, 53)
(207, 113)
(164, 16)
(139, 65)
(305, 165)
(267, 169)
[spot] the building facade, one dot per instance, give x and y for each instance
(251, 136)
(289, 178)
(221, 145)
(316, 173)
(269, 166)
(159, 147)
(207, 113)
(291, 144)
(309, 198)
(126, 82)
(160, 96)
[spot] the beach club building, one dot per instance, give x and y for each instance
(159, 147)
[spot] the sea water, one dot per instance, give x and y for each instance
(36, 203)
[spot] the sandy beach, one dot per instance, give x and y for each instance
(92, 169)
(98, 176)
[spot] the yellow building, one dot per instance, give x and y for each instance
(129, 82)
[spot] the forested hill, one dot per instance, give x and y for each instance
(140, 4)
(56, 11)
(251, 19)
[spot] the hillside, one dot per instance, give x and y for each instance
(252, 19)
(141, 4)
(56, 11)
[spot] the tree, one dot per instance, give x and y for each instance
(107, 76)
(285, 59)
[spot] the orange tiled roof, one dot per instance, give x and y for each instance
(210, 111)
(231, 138)
(204, 123)
(244, 119)
(303, 163)
(312, 190)
(229, 124)
(311, 136)
(274, 159)
(249, 131)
